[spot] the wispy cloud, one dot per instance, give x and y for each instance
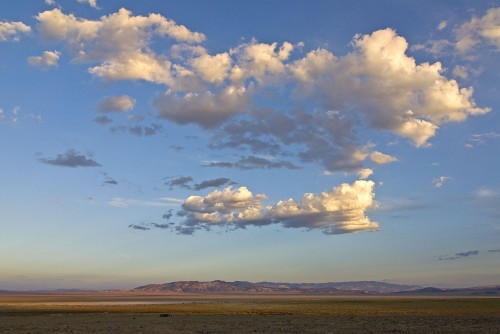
(103, 120)
(139, 227)
(253, 162)
(119, 202)
(214, 183)
(460, 255)
(481, 139)
(180, 181)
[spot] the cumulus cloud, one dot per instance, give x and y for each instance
(376, 86)
(387, 86)
(259, 61)
(341, 210)
(116, 103)
(119, 42)
(438, 182)
(47, 59)
(205, 108)
(12, 30)
(71, 158)
(381, 159)
(212, 69)
(485, 28)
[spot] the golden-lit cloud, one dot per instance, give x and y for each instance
(340, 210)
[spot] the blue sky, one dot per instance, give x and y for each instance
(288, 141)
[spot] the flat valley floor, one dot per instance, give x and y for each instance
(118, 313)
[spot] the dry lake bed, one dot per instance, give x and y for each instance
(123, 313)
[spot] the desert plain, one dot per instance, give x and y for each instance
(117, 312)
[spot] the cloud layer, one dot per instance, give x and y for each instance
(377, 86)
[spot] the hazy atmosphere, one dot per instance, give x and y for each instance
(285, 141)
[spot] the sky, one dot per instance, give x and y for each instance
(298, 141)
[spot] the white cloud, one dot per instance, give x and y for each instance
(386, 85)
(12, 30)
(91, 3)
(377, 83)
(341, 210)
(365, 173)
(486, 28)
(212, 69)
(47, 59)
(134, 66)
(381, 159)
(442, 25)
(50, 2)
(259, 61)
(119, 42)
(116, 103)
(438, 182)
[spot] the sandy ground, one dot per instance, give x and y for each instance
(233, 315)
(153, 323)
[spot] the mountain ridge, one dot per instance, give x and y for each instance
(245, 287)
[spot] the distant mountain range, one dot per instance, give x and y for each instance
(493, 290)
(354, 288)
(331, 288)
(243, 287)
